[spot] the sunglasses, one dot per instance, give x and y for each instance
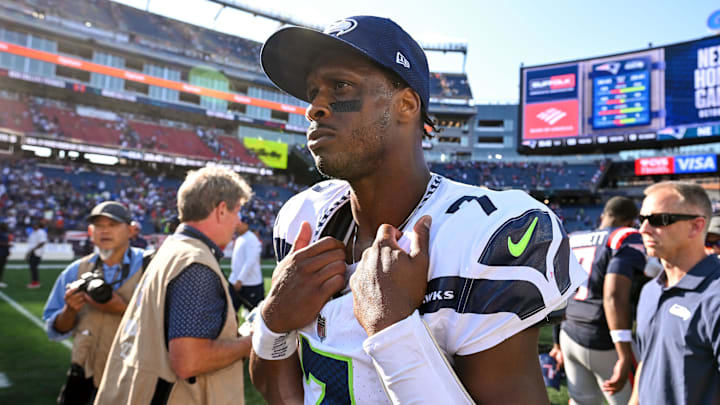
(712, 244)
(657, 220)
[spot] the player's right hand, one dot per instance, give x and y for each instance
(75, 299)
(304, 281)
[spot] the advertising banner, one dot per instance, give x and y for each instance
(273, 154)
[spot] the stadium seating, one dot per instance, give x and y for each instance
(224, 45)
(580, 217)
(86, 129)
(54, 118)
(67, 192)
(161, 33)
(171, 140)
(14, 114)
(523, 175)
(151, 25)
(236, 150)
(449, 85)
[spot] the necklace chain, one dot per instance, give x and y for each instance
(402, 225)
(357, 229)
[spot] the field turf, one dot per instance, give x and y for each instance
(32, 368)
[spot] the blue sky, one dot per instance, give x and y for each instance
(500, 34)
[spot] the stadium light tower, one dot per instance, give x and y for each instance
(445, 46)
(269, 14)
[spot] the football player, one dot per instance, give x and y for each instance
(395, 284)
(595, 341)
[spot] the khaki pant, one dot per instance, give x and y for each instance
(587, 370)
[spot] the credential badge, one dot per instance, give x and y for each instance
(680, 311)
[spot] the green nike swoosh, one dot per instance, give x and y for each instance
(516, 249)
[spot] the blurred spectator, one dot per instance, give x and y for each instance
(246, 275)
(136, 240)
(4, 250)
(712, 239)
(36, 247)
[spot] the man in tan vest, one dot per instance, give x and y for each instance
(90, 310)
(178, 341)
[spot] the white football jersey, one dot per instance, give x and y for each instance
(500, 262)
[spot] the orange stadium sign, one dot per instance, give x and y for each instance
(143, 78)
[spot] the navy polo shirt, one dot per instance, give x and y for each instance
(678, 333)
(195, 304)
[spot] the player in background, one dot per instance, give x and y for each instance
(712, 239)
(394, 283)
(595, 340)
(245, 269)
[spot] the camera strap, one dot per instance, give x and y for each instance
(99, 270)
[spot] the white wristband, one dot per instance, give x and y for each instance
(409, 362)
(270, 345)
(621, 335)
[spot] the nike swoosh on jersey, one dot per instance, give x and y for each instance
(516, 249)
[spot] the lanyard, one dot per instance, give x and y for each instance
(99, 270)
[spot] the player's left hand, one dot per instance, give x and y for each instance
(116, 304)
(619, 378)
(557, 354)
(388, 283)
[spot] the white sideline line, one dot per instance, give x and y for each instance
(4, 381)
(29, 316)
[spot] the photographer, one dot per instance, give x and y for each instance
(90, 297)
(178, 343)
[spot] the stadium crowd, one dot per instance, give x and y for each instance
(61, 197)
(524, 175)
(61, 119)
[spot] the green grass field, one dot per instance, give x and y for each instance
(34, 367)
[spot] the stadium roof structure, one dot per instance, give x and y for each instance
(445, 46)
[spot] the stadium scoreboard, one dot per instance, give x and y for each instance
(651, 98)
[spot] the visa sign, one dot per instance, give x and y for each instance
(696, 164)
(676, 165)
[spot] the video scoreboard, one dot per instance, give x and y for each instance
(621, 93)
(648, 98)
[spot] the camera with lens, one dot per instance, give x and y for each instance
(94, 285)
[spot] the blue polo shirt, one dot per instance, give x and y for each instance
(678, 333)
(56, 300)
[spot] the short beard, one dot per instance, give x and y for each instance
(104, 253)
(365, 151)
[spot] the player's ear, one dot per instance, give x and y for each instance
(408, 105)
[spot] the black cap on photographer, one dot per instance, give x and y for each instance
(111, 209)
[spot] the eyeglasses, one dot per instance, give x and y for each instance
(658, 220)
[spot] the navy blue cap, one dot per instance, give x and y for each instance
(111, 209)
(289, 53)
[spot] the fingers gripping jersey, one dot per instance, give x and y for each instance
(499, 263)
